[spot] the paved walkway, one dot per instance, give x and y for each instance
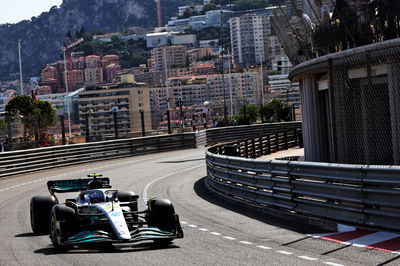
(285, 153)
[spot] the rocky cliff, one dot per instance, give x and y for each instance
(42, 37)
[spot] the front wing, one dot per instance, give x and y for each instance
(141, 234)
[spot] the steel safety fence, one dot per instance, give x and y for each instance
(19, 162)
(362, 195)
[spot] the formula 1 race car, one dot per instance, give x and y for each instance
(101, 215)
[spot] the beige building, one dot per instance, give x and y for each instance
(128, 97)
(167, 57)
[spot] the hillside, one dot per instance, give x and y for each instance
(42, 37)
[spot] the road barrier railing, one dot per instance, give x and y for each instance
(258, 146)
(227, 134)
(362, 195)
(19, 162)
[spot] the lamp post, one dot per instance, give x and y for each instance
(67, 92)
(115, 112)
(222, 59)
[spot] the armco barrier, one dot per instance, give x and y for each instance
(19, 162)
(227, 134)
(362, 195)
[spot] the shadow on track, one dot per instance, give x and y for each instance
(27, 234)
(184, 161)
(202, 191)
(49, 250)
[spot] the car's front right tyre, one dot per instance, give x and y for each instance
(58, 229)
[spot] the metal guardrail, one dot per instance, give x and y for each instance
(258, 146)
(18, 162)
(362, 195)
(226, 134)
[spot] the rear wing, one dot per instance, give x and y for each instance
(72, 185)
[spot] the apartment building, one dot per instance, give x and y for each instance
(128, 98)
(167, 57)
(236, 88)
(249, 39)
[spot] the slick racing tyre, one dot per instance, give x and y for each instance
(128, 196)
(161, 214)
(40, 208)
(61, 219)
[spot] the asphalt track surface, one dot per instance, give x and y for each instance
(216, 233)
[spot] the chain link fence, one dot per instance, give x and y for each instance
(365, 107)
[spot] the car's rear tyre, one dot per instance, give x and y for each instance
(128, 196)
(161, 215)
(40, 209)
(61, 219)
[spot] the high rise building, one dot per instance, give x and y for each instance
(167, 57)
(128, 99)
(249, 39)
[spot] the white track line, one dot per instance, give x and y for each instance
(146, 188)
(246, 242)
(332, 263)
(264, 247)
(284, 252)
(307, 258)
(229, 238)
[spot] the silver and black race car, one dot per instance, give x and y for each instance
(101, 215)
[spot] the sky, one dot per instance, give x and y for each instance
(13, 11)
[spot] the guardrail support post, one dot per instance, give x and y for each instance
(246, 148)
(253, 142)
(261, 146)
(286, 141)
(295, 138)
(36, 132)
(9, 133)
(143, 126)
(115, 123)
(269, 144)
(277, 141)
(62, 122)
(87, 127)
(169, 122)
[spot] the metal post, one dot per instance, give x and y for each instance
(36, 131)
(223, 77)
(67, 93)
(9, 133)
(62, 121)
(87, 127)
(286, 141)
(277, 142)
(181, 114)
(169, 122)
(115, 123)
(143, 126)
(269, 144)
(20, 68)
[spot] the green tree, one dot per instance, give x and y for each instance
(267, 111)
(248, 114)
(45, 114)
(3, 127)
(27, 110)
(275, 111)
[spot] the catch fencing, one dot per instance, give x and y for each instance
(20, 162)
(362, 195)
(228, 134)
